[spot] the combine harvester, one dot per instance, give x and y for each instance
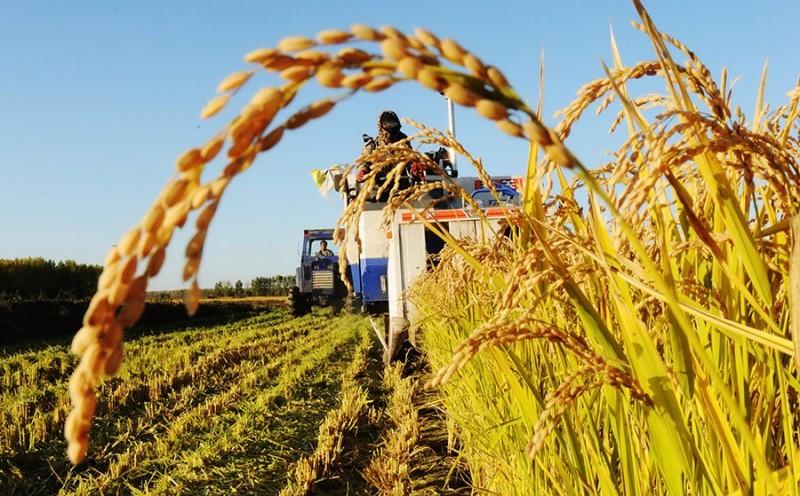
(386, 262)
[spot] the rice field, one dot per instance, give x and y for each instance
(631, 331)
(208, 409)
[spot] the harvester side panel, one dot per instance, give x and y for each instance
(408, 259)
(373, 259)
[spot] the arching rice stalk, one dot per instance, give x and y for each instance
(140, 253)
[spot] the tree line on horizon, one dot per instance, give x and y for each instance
(40, 278)
(259, 286)
(37, 278)
(278, 285)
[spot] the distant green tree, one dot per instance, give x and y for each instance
(223, 288)
(261, 286)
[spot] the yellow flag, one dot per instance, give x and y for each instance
(318, 176)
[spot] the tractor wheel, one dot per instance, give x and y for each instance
(336, 306)
(297, 302)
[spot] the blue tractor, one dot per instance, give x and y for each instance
(317, 277)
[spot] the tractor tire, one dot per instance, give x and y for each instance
(297, 302)
(336, 306)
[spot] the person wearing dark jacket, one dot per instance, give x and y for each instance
(388, 132)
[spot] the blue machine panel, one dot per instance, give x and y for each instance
(374, 286)
(355, 277)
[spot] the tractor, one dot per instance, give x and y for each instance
(317, 277)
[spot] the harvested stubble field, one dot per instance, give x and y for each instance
(265, 404)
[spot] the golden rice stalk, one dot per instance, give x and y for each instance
(511, 128)
(409, 66)
(297, 74)
(330, 76)
(356, 81)
(475, 66)
(192, 299)
(260, 55)
(427, 37)
(454, 52)
(155, 263)
(491, 109)
(190, 159)
(351, 57)
(268, 101)
(393, 32)
(313, 57)
(212, 148)
(496, 77)
(394, 48)
(271, 139)
(378, 84)
(320, 108)
(366, 33)
(460, 95)
(174, 192)
(114, 361)
(127, 245)
(295, 44)
(214, 106)
(234, 81)
(333, 36)
(430, 79)
(278, 62)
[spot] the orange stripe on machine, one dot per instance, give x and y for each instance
(456, 214)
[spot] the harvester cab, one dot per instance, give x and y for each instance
(317, 277)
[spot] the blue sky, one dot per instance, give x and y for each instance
(98, 98)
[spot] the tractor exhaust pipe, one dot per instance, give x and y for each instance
(451, 126)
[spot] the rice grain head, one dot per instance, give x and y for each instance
(215, 105)
(260, 55)
(234, 81)
(491, 109)
(295, 43)
(333, 36)
(366, 33)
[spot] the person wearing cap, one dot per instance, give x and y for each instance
(388, 132)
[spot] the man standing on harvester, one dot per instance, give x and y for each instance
(388, 132)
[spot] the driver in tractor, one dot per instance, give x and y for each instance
(323, 250)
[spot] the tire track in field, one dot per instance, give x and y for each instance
(344, 432)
